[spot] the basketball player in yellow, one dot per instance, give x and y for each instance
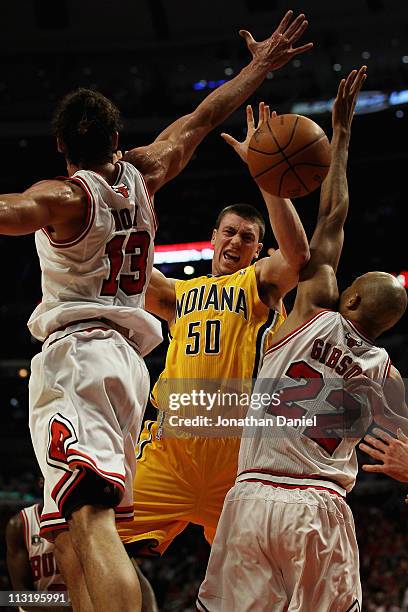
(219, 326)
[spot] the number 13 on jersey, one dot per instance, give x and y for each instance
(136, 247)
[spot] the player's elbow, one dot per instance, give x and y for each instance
(300, 258)
(303, 256)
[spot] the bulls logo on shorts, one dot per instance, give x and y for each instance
(61, 434)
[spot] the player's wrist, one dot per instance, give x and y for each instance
(340, 131)
(260, 65)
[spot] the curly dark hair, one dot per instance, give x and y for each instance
(85, 122)
(246, 211)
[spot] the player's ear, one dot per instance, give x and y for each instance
(258, 250)
(60, 146)
(213, 237)
(353, 302)
(115, 140)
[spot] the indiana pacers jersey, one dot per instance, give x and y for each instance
(220, 332)
(313, 423)
(44, 570)
(104, 272)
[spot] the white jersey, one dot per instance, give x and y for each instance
(311, 426)
(44, 570)
(104, 272)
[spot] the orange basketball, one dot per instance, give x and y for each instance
(289, 156)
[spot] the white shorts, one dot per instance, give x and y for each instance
(281, 550)
(88, 392)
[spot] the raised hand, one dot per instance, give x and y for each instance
(346, 99)
(392, 453)
(278, 50)
(241, 148)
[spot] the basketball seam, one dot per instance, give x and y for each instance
(287, 160)
(297, 176)
(292, 134)
(290, 156)
(280, 149)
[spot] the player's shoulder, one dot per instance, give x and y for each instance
(15, 528)
(63, 190)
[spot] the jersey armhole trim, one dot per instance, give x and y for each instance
(387, 369)
(90, 216)
(25, 524)
(298, 330)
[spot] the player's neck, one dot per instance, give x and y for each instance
(108, 170)
(363, 326)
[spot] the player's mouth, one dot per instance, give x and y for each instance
(228, 256)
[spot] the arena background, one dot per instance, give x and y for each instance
(157, 59)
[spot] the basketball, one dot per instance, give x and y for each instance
(289, 156)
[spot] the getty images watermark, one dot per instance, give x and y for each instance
(209, 401)
(317, 407)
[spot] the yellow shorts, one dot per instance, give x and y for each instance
(178, 481)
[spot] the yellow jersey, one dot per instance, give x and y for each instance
(220, 331)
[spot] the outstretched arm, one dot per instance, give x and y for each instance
(278, 273)
(60, 205)
(170, 152)
(317, 283)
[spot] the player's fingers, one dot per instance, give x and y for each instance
(380, 433)
(274, 114)
(359, 80)
(373, 468)
(261, 107)
(369, 450)
(266, 113)
(247, 36)
(401, 435)
(340, 91)
(378, 444)
(294, 26)
(250, 116)
(349, 82)
(230, 140)
(301, 49)
(355, 90)
(284, 22)
(296, 34)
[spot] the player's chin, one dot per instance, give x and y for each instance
(229, 267)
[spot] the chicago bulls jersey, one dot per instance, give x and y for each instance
(44, 570)
(103, 272)
(309, 427)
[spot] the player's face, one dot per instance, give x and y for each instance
(235, 244)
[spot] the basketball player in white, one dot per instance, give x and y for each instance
(30, 558)
(94, 237)
(286, 538)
